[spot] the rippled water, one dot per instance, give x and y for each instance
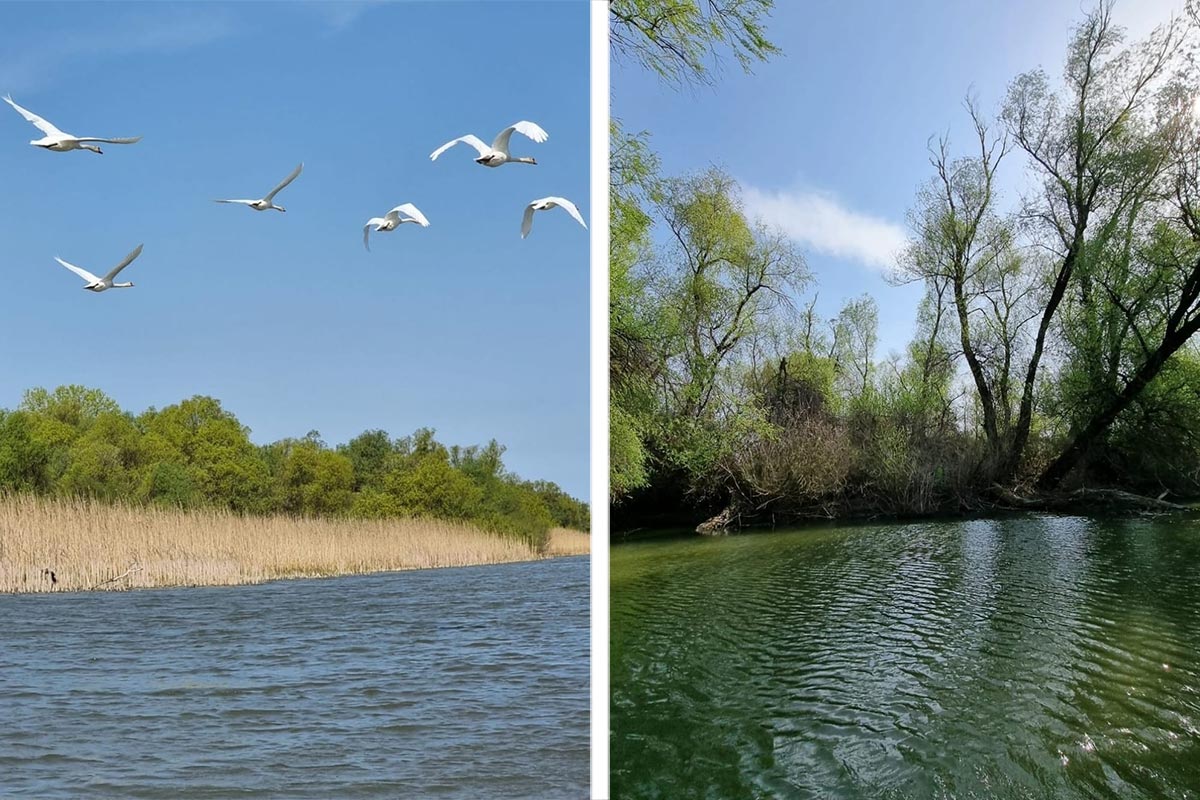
(1033, 657)
(439, 684)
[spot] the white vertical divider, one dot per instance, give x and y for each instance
(599, 397)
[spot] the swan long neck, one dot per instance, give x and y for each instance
(524, 160)
(122, 285)
(92, 147)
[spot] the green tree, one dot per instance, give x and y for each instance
(427, 486)
(964, 251)
(375, 504)
(368, 453)
(680, 40)
(506, 504)
(165, 483)
(107, 461)
(223, 465)
(74, 441)
(25, 457)
(74, 405)
(726, 282)
(511, 508)
(565, 510)
(635, 338)
(480, 464)
(852, 351)
(314, 481)
(1088, 146)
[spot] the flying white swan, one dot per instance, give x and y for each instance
(545, 204)
(61, 142)
(264, 203)
(393, 220)
(497, 154)
(95, 284)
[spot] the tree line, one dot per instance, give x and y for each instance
(77, 442)
(1055, 342)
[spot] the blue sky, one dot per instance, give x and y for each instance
(829, 141)
(285, 318)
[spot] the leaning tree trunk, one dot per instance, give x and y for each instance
(1020, 434)
(986, 398)
(1100, 423)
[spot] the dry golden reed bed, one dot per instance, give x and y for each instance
(567, 542)
(90, 545)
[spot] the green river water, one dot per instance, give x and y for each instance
(1027, 657)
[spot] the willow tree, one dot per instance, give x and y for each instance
(1087, 146)
(1149, 276)
(854, 335)
(720, 281)
(633, 329)
(964, 249)
(74, 405)
(680, 40)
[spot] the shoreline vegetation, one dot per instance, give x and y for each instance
(59, 545)
(1054, 363)
(1101, 503)
(94, 497)
(999, 502)
(77, 443)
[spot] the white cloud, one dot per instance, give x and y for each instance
(818, 221)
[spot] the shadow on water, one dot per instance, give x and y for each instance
(455, 683)
(1021, 657)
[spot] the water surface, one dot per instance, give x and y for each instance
(450, 683)
(1032, 657)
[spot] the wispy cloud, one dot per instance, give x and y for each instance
(819, 221)
(43, 62)
(339, 14)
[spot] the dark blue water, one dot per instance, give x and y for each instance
(451, 683)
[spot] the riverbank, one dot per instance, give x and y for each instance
(75, 545)
(998, 503)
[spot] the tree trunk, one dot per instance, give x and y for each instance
(1020, 436)
(986, 399)
(1078, 445)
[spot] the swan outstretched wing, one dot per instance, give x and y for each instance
(525, 128)
(112, 273)
(80, 271)
(122, 140)
(569, 206)
(527, 221)
(38, 122)
(372, 222)
(544, 204)
(470, 139)
(285, 182)
(412, 212)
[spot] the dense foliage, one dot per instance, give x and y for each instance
(1054, 343)
(77, 442)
